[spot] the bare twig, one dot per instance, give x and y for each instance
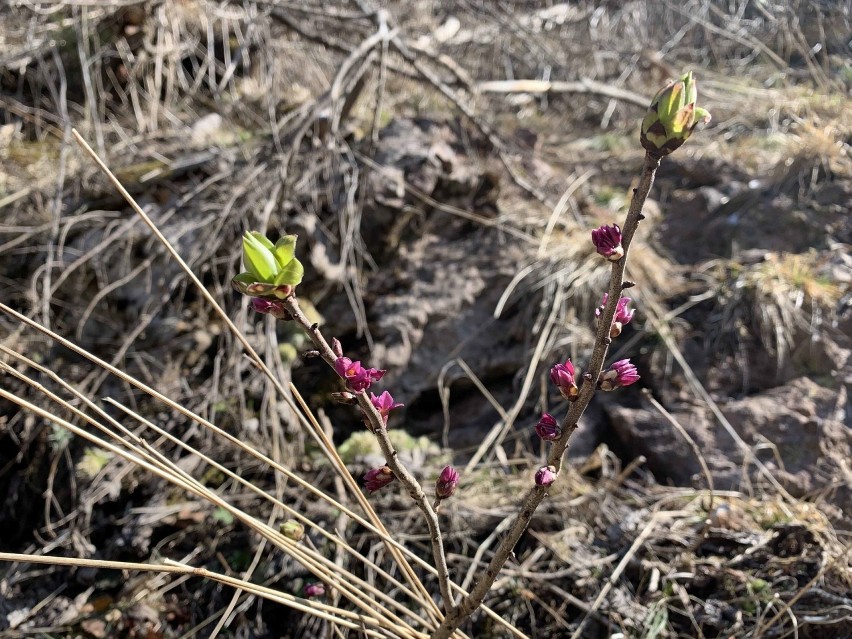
(536, 494)
(583, 86)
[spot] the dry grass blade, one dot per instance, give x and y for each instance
(655, 521)
(654, 313)
(293, 477)
(410, 575)
(498, 433)
(340, 616)
(143, 454)
(291, 512)
(708, 477)
(166, 469)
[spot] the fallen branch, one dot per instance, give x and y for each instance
(540, 87)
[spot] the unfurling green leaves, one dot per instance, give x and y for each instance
(272, 270)
(672, 117)
(258, 257)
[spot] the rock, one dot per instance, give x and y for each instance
(806, 425)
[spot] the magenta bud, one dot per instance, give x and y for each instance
(377, 478)
(563, 377)
(447, 483)
(545, 476)
(621, 373)
(607, 241)
(357, 377)
(622, 317)
(384, 404)
(270, 307)
(548, 428)
(336, 347)
(314, 590)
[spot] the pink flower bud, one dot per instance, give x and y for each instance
(548, 428)
(314, 590)
(384, 404)
(545, 476)
(622, 317)
(562, 376)
(377, 478)
(621, 373)
(270, 307)
(607, 241)
(358, 378)
(447, 483)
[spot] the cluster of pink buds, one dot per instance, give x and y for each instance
(357, 378)
(622, 317)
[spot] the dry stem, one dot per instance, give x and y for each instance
(468, 605)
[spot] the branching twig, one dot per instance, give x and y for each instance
(378, 427)
(403, 563)
(534, 497)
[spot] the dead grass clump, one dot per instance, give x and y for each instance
(770, 308)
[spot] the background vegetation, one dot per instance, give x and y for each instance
(443, 164)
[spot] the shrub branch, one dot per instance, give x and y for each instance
(469, 604)
(377, 425)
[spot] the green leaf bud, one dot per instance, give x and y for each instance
(672, 117)
(272, 270)
(258, 257)
(292, 529)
